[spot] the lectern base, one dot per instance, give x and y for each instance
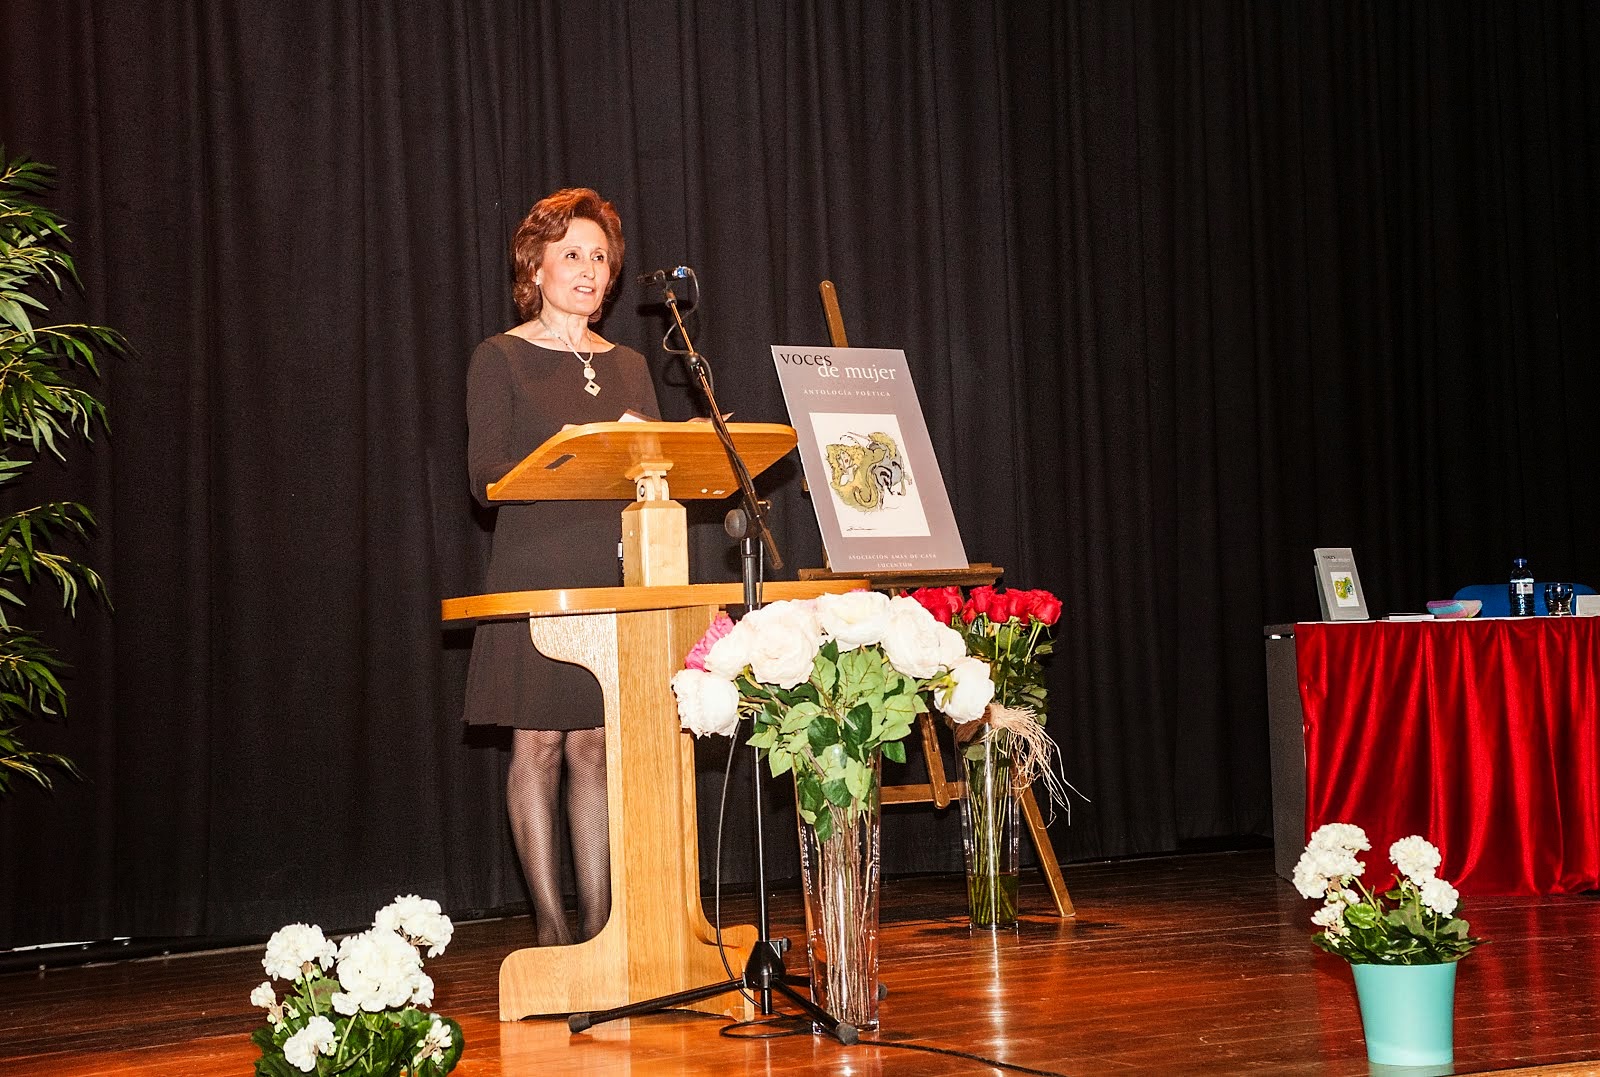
(597, 975)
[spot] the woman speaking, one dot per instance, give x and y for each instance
(523, 386)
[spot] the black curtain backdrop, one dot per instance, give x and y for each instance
(1188, 290)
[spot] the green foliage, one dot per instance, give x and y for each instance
(1015, 650)
(1396, 928)
(41, 408)
(829, 730)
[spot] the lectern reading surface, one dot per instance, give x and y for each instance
(594, 462)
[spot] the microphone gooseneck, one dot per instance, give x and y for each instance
(662, 276)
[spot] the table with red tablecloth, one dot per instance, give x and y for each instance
(1481, 735)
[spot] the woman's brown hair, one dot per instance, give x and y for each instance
(547, 222)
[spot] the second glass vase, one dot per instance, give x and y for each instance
(989, 821)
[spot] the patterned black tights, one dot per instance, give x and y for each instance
(533, 793)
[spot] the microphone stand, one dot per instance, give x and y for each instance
(753, 525)
(764, 972)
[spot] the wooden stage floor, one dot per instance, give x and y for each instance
(1197, 964)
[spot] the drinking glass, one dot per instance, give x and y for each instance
(1558, 599)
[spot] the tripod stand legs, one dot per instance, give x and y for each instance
(763, 973)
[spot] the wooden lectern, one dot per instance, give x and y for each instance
(633, 639)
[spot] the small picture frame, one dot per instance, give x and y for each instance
(1339, 585)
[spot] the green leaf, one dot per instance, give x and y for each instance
(861, 673)
(901, 709)
(824, 825)
(1409, 916)
(808, 793)
(858, 780)
(1361, 916)
(858, 727)
(895, 750)
(799, 717)
(825, 672)
(823, 733)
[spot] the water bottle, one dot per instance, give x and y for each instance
(1520, 590)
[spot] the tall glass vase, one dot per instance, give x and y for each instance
(841, 896)
(989, 829)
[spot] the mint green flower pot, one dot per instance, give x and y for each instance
(1408, 1013)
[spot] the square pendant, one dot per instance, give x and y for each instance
(591, 388)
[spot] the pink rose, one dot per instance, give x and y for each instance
(721, 625)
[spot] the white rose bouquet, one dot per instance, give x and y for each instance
(830, 686)
(363, 1021)
(1411, 923)
(828, 683)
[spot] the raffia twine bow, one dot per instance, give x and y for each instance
(1034, 756)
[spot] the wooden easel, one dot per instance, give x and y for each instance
(939, 790)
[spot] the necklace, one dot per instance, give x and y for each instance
(590, 386)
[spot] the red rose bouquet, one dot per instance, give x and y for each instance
(1007, 629)
(1007, 750)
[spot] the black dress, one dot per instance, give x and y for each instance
(518, 395)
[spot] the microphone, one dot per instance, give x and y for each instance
(662, 276)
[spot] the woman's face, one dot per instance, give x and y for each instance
(576, 269)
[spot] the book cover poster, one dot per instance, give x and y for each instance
(1339, 585)
(875, 483)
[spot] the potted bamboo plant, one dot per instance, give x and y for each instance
(41, 409)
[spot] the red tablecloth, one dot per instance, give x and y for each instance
(1479, 735)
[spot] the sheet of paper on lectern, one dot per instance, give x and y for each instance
(875, 482)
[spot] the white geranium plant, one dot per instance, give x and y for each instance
(364, 1020)
(827, 684)
(1413, 922)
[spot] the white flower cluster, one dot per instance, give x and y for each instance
(420, 920)
(1418, 860)
(300, 1050)
(1439, 896)
(1331, 917)
(294, 950)
(778, 644)
(380, 970)
(265, 997)
(1330, 860)
(1329, 863)
(437, 1042)
(1325, 870)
